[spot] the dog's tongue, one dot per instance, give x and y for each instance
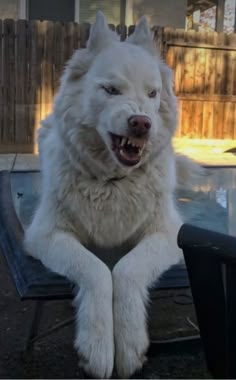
(130, 156)
(127, 149)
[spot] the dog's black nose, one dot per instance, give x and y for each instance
(139, 125)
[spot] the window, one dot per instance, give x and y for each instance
(111, 9)
(55, 10)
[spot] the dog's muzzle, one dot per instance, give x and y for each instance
(129, 149)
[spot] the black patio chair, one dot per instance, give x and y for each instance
(211, 263)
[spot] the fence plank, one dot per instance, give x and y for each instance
(168, 51)
(228, 127)
(21, 82)
(158, 36)
(208, 126)
(231, 73)
(232, 69)
(68, 40)
(167, 35)
(219, 68)
(179, 62)
(131, 29)
(218, 119)
(189, 65)
(76, 36)
(179, 125)
(122, 31)
(198, 118)
(84, 34)
(198, 78)
(186, 118)
(35, 55)
(46, 79)
(210, 66)
(58, 54)
(188, 72)
(9, 81)
(234, 123)
(1, 82)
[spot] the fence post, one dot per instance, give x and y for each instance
(158, 37)
(122, 31)
(84, 34)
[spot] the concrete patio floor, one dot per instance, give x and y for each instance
(206, 152)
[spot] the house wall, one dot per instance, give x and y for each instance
(8, 9)
(164, 13)
(161, 12)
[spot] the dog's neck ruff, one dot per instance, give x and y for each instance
(94, 171)
(91, 170)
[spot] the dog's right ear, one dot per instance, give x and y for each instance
(101, 35)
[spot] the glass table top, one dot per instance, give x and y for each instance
(211, 204)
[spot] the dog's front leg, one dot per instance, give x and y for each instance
(132, 276)
(62, 253)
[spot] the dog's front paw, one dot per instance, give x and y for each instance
(131, 347)
(94, 339)
(129, 313)
(95, 350)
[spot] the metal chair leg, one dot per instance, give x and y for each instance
(34, 326)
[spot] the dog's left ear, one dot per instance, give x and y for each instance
(101, 35)
(143, 36)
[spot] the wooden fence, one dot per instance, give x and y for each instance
(205, 82)
(33, 55)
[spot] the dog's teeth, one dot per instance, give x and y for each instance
(141, 149)
(123, 141)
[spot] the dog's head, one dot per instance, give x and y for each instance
(116, 98)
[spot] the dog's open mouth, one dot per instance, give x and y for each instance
(128, 150)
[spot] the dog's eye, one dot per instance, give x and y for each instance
(152, 94)
(111, 90)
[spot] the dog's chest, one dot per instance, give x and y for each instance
(108, 214)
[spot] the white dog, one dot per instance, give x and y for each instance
(109, 173)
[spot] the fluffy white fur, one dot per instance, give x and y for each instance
(90, 199)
